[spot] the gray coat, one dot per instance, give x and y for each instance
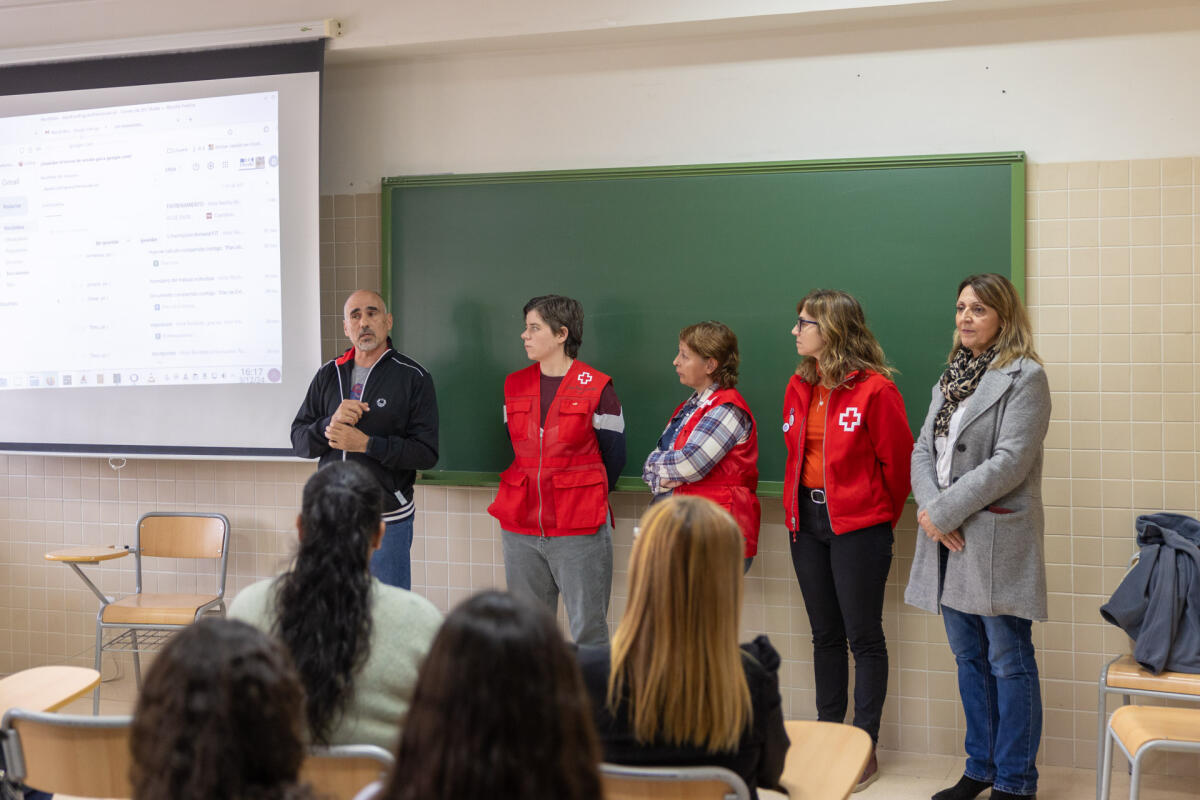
(994, 498)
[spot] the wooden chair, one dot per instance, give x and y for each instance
(1140, 730)
(342, 771)
(68, 754)
(671, 783)
(157, 616)
(825, 759)
(824, 762)
(1125, 677)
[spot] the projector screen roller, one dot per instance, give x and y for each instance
(159, 291)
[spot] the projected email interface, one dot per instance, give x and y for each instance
(141, 245)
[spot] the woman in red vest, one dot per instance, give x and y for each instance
(845, 483)
(568, 438)
(710, 445)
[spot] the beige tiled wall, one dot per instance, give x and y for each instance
(1113, 287)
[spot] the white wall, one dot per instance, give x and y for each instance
(434, 24)
(1092, 84)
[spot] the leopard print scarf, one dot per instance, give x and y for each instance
(958, 383)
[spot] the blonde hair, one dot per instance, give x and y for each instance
(1015, 338)
(675, 654)
(716, 341)
(849, 343)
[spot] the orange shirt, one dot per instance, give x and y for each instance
(812, 473)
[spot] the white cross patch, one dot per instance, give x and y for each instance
(584, 377)
(850, 419)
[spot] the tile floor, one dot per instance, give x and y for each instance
(904, 776)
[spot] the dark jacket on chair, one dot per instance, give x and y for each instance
(1158, 602)
(760, 754)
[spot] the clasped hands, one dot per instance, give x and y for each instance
(953, 540)
(341, 431)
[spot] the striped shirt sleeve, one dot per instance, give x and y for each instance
(609, 423)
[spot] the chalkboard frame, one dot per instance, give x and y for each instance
(1015, 160)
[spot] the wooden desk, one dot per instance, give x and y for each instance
(46, 688)
(93, 554)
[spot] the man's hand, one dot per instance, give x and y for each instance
(669, 484)
(346, 437)
(349, 412)
(953, 540)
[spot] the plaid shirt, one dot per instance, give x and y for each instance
(720, 429)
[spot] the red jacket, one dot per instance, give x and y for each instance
(731, 483)
(868, 448)
(556, 485)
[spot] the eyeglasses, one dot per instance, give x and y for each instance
(801, 322)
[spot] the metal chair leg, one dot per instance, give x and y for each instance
(1135, 778)
(99, 654)
(137, 660)
(1105, 772)
(1102, 729)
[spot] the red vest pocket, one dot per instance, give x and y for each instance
(518, 411)
(510, 503)
(580, 498)
(574, 420)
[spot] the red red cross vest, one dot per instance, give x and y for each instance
(732, 483)
(556, 485)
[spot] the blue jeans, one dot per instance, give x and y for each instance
(998, 683)
(392, 562)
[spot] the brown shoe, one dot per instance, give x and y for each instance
(870, 773)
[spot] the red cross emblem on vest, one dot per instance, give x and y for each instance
(850, 419)
(584, 378)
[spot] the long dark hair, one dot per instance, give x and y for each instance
(499, 710)
(324, 601)
(219, 718)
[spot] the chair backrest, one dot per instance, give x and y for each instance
(343, 770)
(671, 783)
(825, 759)
(183, 534)
(68, 754)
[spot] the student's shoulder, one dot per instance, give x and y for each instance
(402, 606)
(594, 663)
(252, 603)
(760, 657)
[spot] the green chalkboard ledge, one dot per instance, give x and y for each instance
(624, 484)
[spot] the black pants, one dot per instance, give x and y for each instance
(842, 580)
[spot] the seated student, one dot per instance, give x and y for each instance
(499, 712)
(676, 690)
(356, 642)
(219, 718)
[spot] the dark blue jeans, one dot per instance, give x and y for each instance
(392, 562)
(998, 683)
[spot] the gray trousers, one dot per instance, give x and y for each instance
(578, 567)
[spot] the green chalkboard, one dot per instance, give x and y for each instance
(648, 251)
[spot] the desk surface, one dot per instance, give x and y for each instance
(87, 554)
(46, 688)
